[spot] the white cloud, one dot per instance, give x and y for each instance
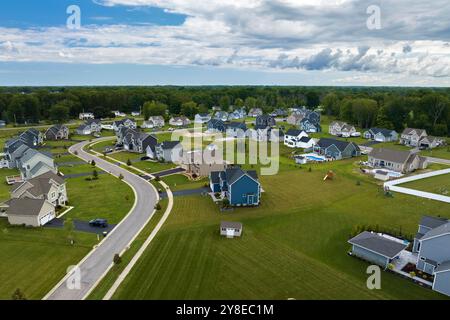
(282, 35)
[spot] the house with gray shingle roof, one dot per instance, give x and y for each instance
(57, 132)
(241, 188)
(136, 141)
(230, 229)
(336, 149)
(33, 163)
(29, 212)
(48, 186)
(397, 160)
(411, 136)
(169, 151)
(381, 135)
(341, 129)
(376, 248)
(432, 246)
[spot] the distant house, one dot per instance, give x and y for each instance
(309, 126)
(221, 115)
(230, 229)
(48, 186)
(265, 120)
(265, 134)
(279, 113)
(381, 135)
(181, 121)
(154, 122)
(202, 118)
(32, 163)
(84, 130)
(169, 151)
(236, 129)
(57, 132)
(432, 246)
(430, 142)
(2, 123)
(199, 167)
(119, 114)
(411, 137)
(397, 160)
(128, 123)
(14, 148)
(336, 149)
(341, 129)
(237, 114)
(255, 112)
(29, 212)
(215, 126)
(241, 188)
(32, 137)
(95, 124)
(136, 141)
(293, 136)
(376, 248)
(294, 119)
(135, 113)
(86, 116)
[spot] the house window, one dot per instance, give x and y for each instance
(422, 258)
(53, 195)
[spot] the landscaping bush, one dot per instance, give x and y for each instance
(95, 175)
(121, 177)
(129, 162)
(157, 178)
(18, 295)
(158, 207)
(117, 259)
(412, 274)
(93, 163)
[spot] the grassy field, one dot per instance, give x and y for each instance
(294, 244)
(439, 184)
(181, 182)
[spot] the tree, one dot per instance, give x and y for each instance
(154, 108)
(189, 109)
(59, 112)
(129, 162)
(117, 259)
(312, 99)
(239, 103)
(95, 174)
(436, 106)
(331, 104)
(250, 102)
(224, 102)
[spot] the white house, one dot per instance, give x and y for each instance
(293, 136)
(86, 116)
(202, 118)
(230, 229)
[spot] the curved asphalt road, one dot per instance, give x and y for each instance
(97, 263)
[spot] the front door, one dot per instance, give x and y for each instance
(250, 199)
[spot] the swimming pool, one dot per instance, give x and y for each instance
(313, 157)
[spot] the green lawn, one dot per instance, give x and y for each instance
(107, 198)
(178, 182)
(438, 184)
(294, 245)
(4, 187)
(35, 260)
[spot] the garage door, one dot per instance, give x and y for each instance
(47, 218)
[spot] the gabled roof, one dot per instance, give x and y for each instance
(305, 139)
(237, 125)
(41, 184)
(378, 244)
(340, 144)
(235, 173)
(409, 131)
(397, 156)
(444, 266)
(432, 222)
(25, 206)
(294, 132)
(231, 225)
(438, 231)
(215, 176)
(30, 153)
(168, 145)
(90, 121)
(384, 132)
(83, 127)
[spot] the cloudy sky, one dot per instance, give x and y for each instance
(297, 42)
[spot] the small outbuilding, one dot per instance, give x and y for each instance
(230, 229)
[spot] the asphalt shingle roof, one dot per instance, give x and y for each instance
(378, 244)
(25, 206)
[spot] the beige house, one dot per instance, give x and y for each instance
(397, 160)
(29, 212)
(412, 136)
(195, 165)
(48, 186)
(294, 119)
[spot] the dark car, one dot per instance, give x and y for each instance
(99, 223)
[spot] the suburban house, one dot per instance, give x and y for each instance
(221, 115)
(265, 120)
(397, 160)
(86, 115)
(376, 248)
(128, 123)
(336, 149)
(202, 118)
(279, 113)
(309, 126)
(241, 188)
(255, 112)
(13, 150)
(293, 136)
(32, 138)
(230, 229)
(236, 129)
(237, 114)
(84, 130)
(136, 141)
(341, 129)
(95, 124)
(432, 246)
(135, 113)
(411, 137)
(430, 142)
(48, 186)
(119, 114)
(57, 132)
(267, 134)
(169, 151)
(32, 163)
(198, 167)
(216, 125)
(381, 135)
(29, 212)
(154, 122)
(181, 121)
(294, 119)
(2, 123)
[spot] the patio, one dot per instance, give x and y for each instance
(405, 258)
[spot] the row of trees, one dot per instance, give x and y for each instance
(385, 107)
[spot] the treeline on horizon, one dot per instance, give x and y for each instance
(387, 107)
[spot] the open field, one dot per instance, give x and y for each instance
(294, 245)
(34, 260)
(438, 184)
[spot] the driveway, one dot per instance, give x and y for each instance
(96, 264)
(189, 192)
(168, 172)
(82, 226)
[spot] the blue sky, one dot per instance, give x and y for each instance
(285, 42)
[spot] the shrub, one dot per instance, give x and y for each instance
(358, 183)
(95, 175)
(129, 162)
(412, 274)
(158, 206)
(75, 153)
(157, 178)
(18, 295)
(121, 177)
(310, 169)
(93, 163)
(117, 259)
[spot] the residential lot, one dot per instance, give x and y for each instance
(438, 184)
(293, 246)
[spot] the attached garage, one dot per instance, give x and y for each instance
(30, 212)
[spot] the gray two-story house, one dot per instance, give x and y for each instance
(336, 149)
(411, 137)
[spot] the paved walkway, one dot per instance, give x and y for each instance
(393, 186)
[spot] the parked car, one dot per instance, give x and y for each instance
(99, 223)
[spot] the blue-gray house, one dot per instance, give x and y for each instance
(241, 188)
(216, 125)
(376, 248)
(432, 245)
(337, 149)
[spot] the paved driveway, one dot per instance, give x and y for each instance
(168, 172)
(189, 192)
(82, 226)
(99, 261)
